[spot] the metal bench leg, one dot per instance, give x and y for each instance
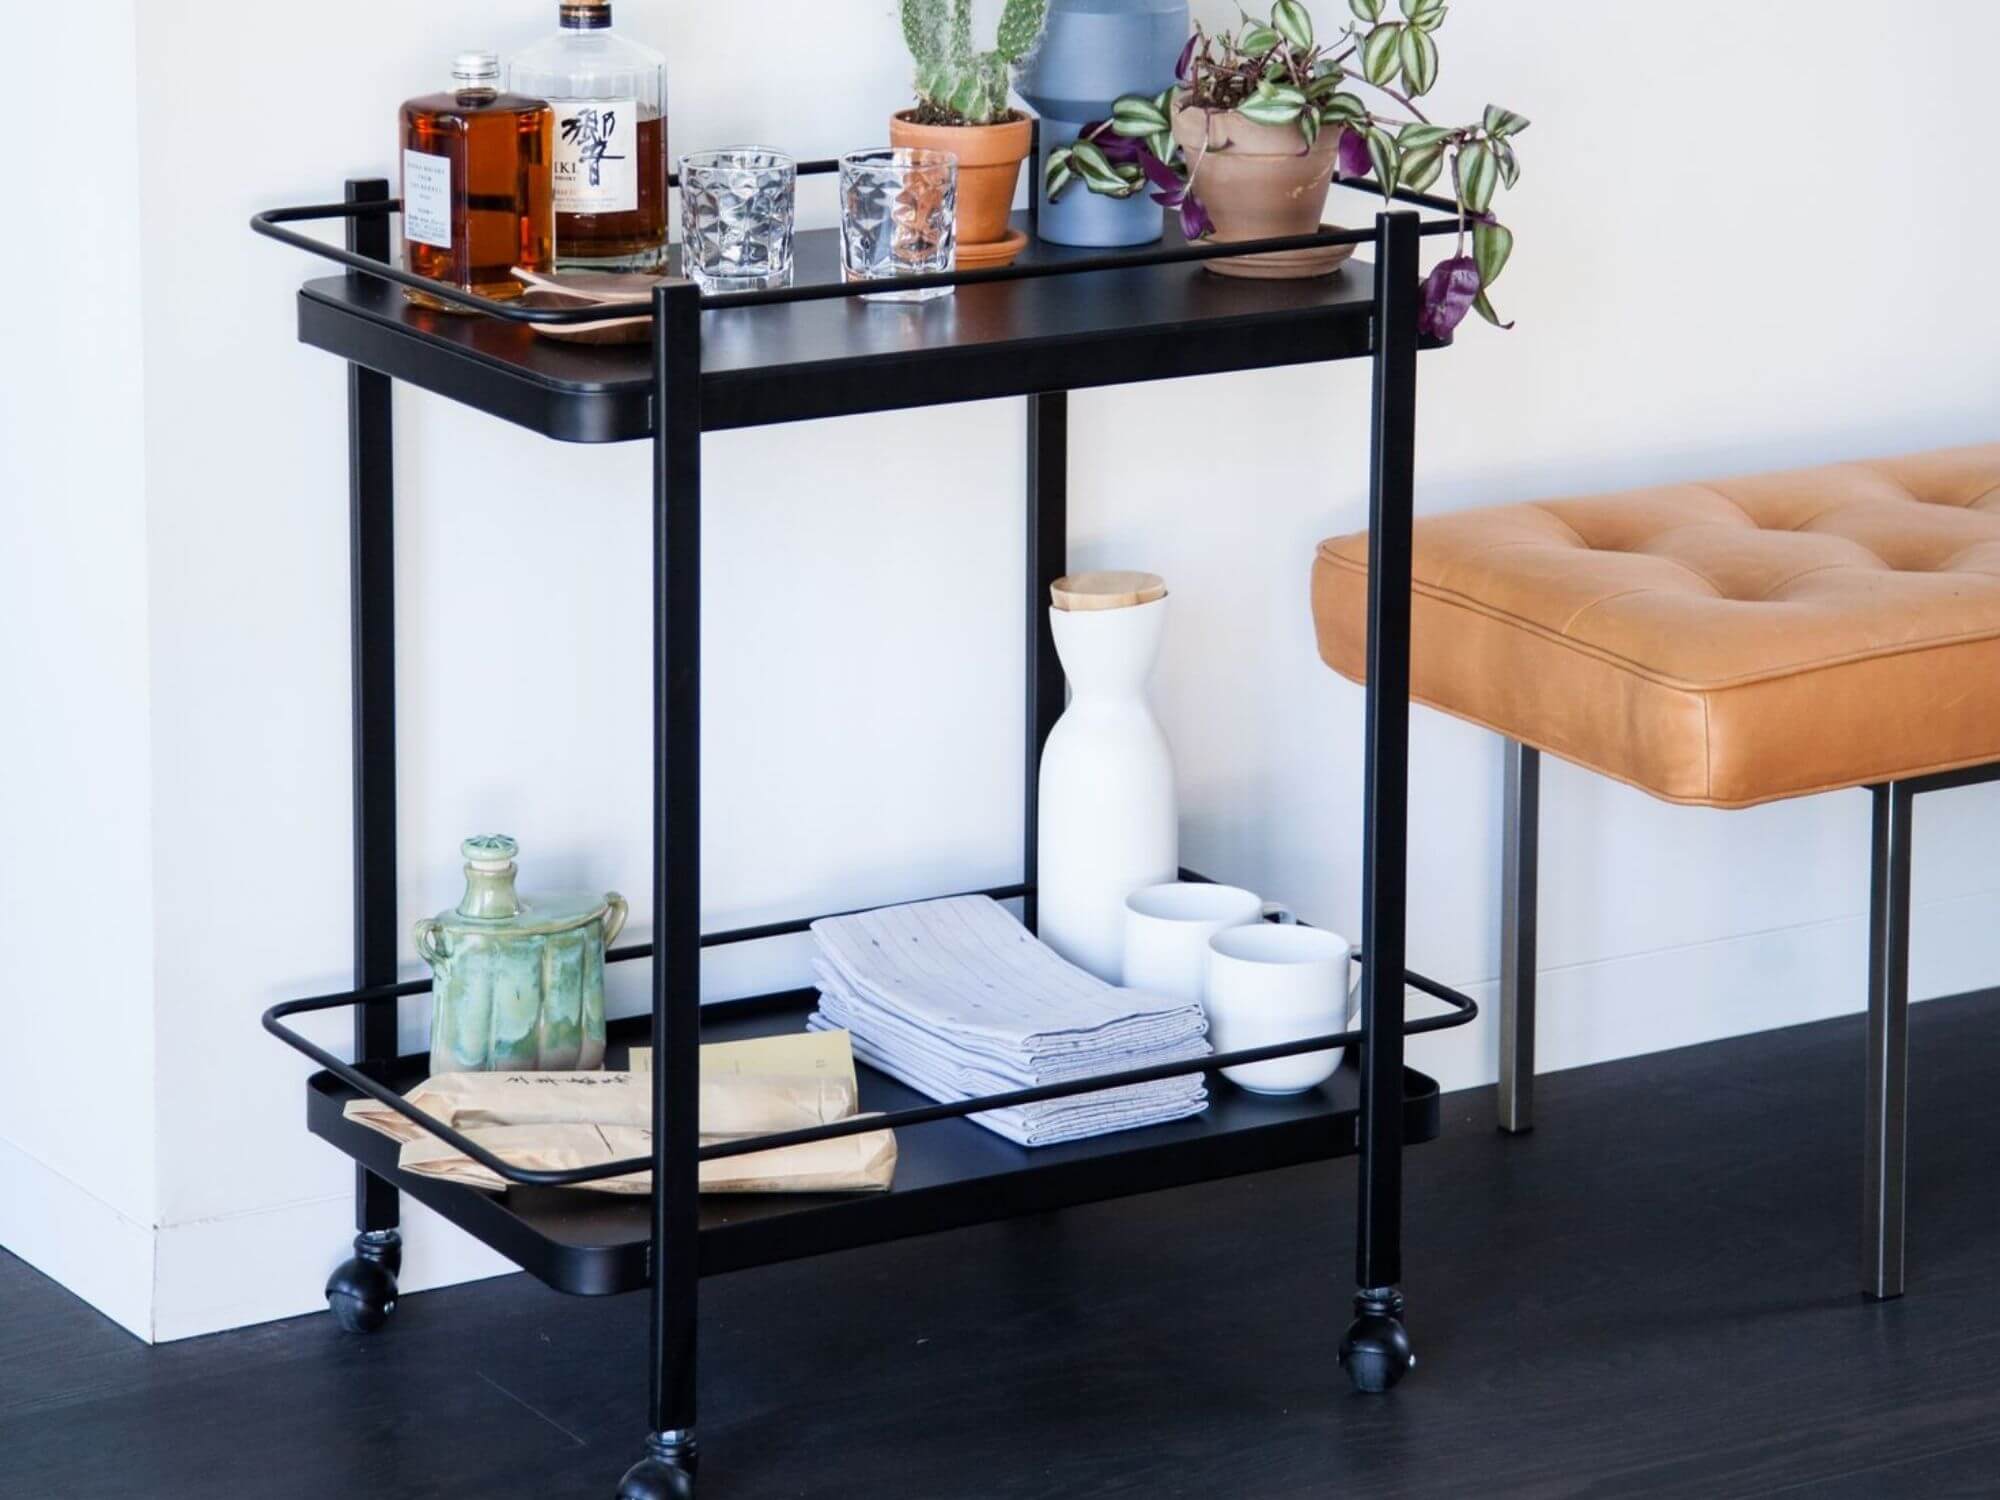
(1882, 1176)
(1520, 841)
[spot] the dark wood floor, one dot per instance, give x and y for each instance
(1652, 1295)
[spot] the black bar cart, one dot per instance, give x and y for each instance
(1056, 321)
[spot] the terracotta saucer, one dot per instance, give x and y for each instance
(1001, 252)
(1285, 265)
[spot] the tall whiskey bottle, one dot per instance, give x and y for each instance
(478, 196)
(610, 99)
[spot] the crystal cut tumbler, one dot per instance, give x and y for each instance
(737, 216)
(898, 217)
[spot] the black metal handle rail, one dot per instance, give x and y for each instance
(1463, 1009)
(270, 223)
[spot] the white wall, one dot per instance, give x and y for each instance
(77, 1179)
(1683, 311)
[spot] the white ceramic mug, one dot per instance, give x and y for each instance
(1269, 984)
(1167, 928)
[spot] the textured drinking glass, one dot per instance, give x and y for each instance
(898, 217)
(736, 218)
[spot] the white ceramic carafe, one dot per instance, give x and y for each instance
(1108, 823)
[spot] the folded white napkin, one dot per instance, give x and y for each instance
(956, 999)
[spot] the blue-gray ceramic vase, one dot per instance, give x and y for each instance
(1094, 51)
(517, 982)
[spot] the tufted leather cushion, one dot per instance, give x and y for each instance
(1719, 644)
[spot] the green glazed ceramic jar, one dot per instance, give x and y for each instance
(517, 982)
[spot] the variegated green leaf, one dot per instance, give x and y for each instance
(1057, 175)
(1382, 155)
(1258, 40)
(1510, 169)
(1478, 175)
(1414, 137)
(1293, 23)
(1309, 126)
(1491, 245)
(1135, 115)
(1096, 171)
(1161, 145)
(1428, 14)
(1419, 56)
(1420, 168)
(1504, 122)
(1381, 59)
(1366, 10)
(1346, 108)
(1273, 105)
(1324, 87)
(1485, 310)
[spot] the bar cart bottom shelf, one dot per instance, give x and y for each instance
(951, 1173)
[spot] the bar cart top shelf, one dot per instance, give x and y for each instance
(951, 1173)
(842, 356)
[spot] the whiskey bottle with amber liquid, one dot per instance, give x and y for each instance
(610, 99)
(478, 191)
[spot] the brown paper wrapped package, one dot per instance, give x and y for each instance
(560, 1121)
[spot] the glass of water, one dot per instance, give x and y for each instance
(738, 208)
(898, 217)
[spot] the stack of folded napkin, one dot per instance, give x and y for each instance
(957, 999)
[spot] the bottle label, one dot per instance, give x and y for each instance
(427, 199)
(597, 156)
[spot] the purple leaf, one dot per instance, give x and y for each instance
(1187, 58)
(1159, 173)
(1197, 225)
(1352, 154)
(1448, 295)
(1122, 147)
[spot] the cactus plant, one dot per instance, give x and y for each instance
(956, 84)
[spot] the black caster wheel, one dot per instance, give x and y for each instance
(655, 1479)
(1376, 1352)
(665, 1473)
(361, 1293)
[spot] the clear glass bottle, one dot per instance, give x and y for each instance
(610, 98)
(478, 190)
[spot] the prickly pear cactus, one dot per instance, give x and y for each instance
(967, 85)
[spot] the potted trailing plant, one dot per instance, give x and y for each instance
(1246, 141)
(962, 108)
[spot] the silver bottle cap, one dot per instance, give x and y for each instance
(476, 70)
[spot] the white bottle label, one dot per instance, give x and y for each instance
(427, 199)
(597, 156)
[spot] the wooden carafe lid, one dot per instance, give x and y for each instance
(1109, 590)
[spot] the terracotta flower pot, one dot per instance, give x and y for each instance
(989, 167)
(1265, 184)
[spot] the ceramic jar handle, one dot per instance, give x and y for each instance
(429, 936)
(614, 917)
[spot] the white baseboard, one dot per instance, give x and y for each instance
(253, 1268)
(76, 1238)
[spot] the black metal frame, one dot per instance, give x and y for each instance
(1886, 1104)
(1375, 1350)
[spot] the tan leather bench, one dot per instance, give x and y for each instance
(1720, 645)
